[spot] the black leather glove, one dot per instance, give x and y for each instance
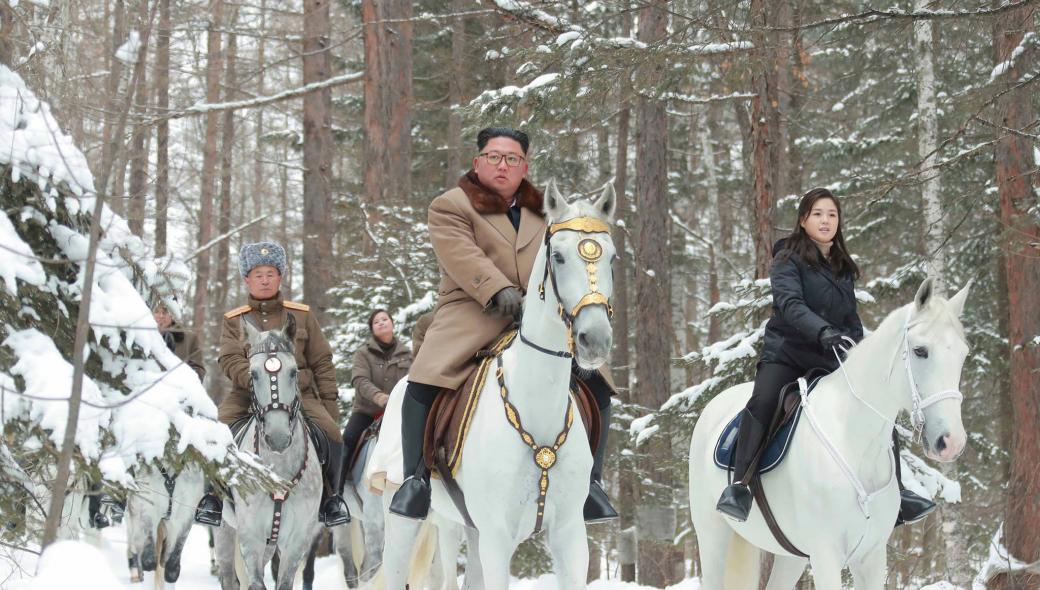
(509, 302)
(831, 338)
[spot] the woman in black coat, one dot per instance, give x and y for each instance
(814, 317)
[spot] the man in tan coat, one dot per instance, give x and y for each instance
(485, 233)
(262, 265)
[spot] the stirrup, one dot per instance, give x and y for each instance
(209, 511)
(597, 505)
(111, 509)
(413, 499)
(735, 502)
(334, 512)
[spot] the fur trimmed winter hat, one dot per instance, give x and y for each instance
(261, 254)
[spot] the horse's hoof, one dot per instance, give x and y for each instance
(173, 571)
(136, 577)
(148, 559)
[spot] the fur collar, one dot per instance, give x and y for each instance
(486, 202)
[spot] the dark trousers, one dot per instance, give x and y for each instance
(356, 426)
(765, 397)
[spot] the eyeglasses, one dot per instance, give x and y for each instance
(493, 158)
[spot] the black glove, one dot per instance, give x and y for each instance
(831, 338)
(509, 302)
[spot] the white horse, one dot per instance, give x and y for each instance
(286, 521)
(159, 517)
(834, 496)
(501, 475)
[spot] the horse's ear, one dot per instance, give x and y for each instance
(252, 330)
(555, 204)
(924, 293)
(606, 202)
(290, 327)
(957, 301)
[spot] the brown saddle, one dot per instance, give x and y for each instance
(452, 412)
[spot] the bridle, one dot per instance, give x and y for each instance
(591, 252)
(272, 366)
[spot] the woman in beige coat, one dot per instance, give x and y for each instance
(378, 366)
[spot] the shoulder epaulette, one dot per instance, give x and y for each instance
(237, 312)
(296, 306)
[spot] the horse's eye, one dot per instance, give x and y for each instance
(254, 374)
(921, 352)
(292, 374)
(558, 258)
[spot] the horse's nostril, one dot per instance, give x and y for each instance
(940, 443)
(583, 339)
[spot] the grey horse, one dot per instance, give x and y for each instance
(262, 523)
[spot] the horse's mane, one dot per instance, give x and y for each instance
(582, 206)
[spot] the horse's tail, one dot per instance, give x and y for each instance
(160, 542)
(742, 564)
(422, 555)
(357, 543)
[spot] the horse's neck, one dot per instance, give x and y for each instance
(862, 432)
(538, 383)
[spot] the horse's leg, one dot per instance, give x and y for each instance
(786, 572)
(224, 546)
(308, 567)
(449, 540)
(569, 545)
(290, 560)
(342, 538)
(253, 558)
(176, 535)
(826, 571)
(869, 572)
(496, 551)
(474, 579)
(401, 534)
(713, 541)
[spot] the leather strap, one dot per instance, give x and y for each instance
(454, 491)
(767, 513)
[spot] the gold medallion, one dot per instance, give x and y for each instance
(590, 250)
(545, 457)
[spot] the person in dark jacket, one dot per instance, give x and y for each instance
(378, 366)
(814, 318)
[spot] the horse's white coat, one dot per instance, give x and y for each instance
(299, 518)
(814, 502)
(497, 473)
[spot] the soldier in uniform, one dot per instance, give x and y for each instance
(485, 233)
(262, 265)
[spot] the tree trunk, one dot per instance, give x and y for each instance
(456, 92)
(1016, 177)
(214, 65)
(141, 138)
(771, 83)
(317, 158)
(227, 143)
(927, 144)
(115, 76)
(260, 186)
(656, 513)
(162, 131)
(388, 98)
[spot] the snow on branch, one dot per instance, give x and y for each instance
(1028, 40)
(873, 15)
(259, 101)
(1000, 561)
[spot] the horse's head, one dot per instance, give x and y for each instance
(933, 349)
(273, 373)
(579, 253)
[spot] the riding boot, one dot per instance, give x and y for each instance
(735, 500)
(912, 507)
(333, 509)
(112, 508)
(413, 499)
(210, 509)
(98, 520)
(597, 504)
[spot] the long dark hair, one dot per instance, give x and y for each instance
(800, 244)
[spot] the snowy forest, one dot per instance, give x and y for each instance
(143, 142)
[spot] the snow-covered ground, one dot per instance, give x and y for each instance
(100, 564)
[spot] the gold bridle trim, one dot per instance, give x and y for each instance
(587, 225)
